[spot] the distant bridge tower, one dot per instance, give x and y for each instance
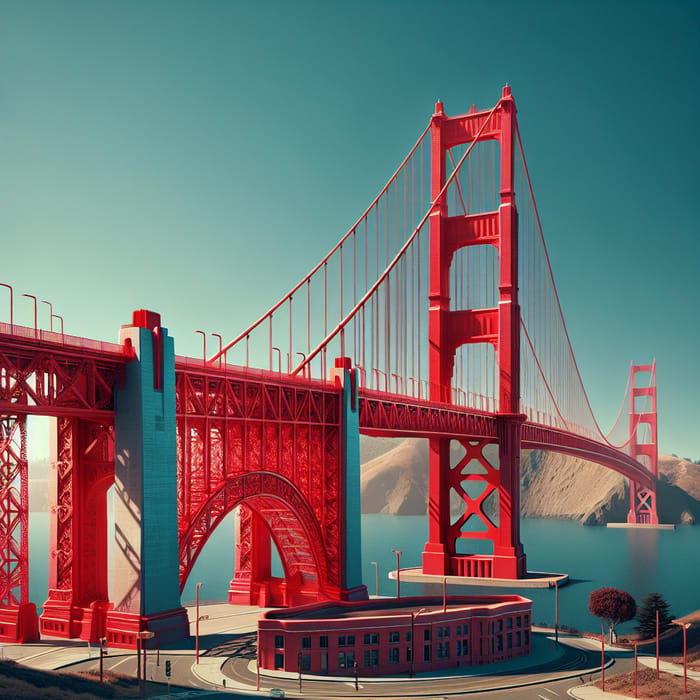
(643, 500)
(449, 329)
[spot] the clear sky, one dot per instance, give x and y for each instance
(197, 158)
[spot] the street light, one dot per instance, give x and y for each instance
(2, 284)
(398, 553)
(555, 585)
(204, 340)
(31, 296)
(602, 656)
(60, 318)
(221, 345)
(376, 577)
(50, 305)
(414, 615)
(103, 651)
(684, 626)
(141, 638)
(199, 585)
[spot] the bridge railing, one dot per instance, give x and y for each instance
(44, 336)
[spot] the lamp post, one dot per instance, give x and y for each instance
(398, 553)
(299, 666)
(221, 345)
(2, 284)
(143, 637)
(414, 615)
(50, 305)
(657, 644)
(60, 318)
(31, 296)
(204, 341)
(635, 669)
(103, 651)
(376, 577)
(196, 627)
(602, 656)
(684, 626)
(555, 585)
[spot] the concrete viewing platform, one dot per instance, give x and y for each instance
(533, 579)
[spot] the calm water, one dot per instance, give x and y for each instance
(637, 561)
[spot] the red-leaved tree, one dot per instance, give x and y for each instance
(612, 605)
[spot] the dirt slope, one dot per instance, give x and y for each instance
(553, 485)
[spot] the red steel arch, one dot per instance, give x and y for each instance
(288, 518)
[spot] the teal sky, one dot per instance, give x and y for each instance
(197, 158)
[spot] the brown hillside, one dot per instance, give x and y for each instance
(553, 485)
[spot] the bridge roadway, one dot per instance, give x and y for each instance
(227, 653)
(73, 376)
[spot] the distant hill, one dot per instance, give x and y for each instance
(553, 485)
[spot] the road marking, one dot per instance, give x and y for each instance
(553, 692)
(359, 685)
(126, 658)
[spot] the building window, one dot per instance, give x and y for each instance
(351, 640)
(427, 652)
(518, 640)
(306, 662)
(341, 659)
(527, 637)
(459, 630)
(371, 639)
(499, 626)
(465, 630)
(393, 637)
(499, 643)
(351, 659)
(509, 640)
(408, 653)
(438, 633)
(462, 647)
(394, 655)
(279, 661)
(527, 620)
(341, 641)
(323, 641)
(518, 621)
(446, 632)
(279, 641)
(509, 623)
(408, 636)
(371, 657)
(426, 635)
(306, 642)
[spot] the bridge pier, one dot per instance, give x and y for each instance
(145, 587)
(82, 470)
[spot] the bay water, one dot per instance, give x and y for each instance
(638, 561)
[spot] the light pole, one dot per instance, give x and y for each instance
(555, 585)
(103, 651)
(376, 577)
(414, 615)
(657, 644)
(196, 627)
(31, 296)
(398, 553)
(602, 656)
(2, 284)
(50, 305)
(60, 318)
(221, 345)
(204, 341)
(635, 668)
(684, 626)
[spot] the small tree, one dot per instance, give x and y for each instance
(646, 616)
(612, 605)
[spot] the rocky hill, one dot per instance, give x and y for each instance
(553, 485)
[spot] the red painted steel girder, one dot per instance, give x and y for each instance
(232, 424)
(43, 378)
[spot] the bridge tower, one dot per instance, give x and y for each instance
(643, 500)
(145, 590)
(449, 329)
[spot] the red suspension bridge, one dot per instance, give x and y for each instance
(435, 316)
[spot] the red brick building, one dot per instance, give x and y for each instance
(394, 636)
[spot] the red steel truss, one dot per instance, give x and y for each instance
(272, 447)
